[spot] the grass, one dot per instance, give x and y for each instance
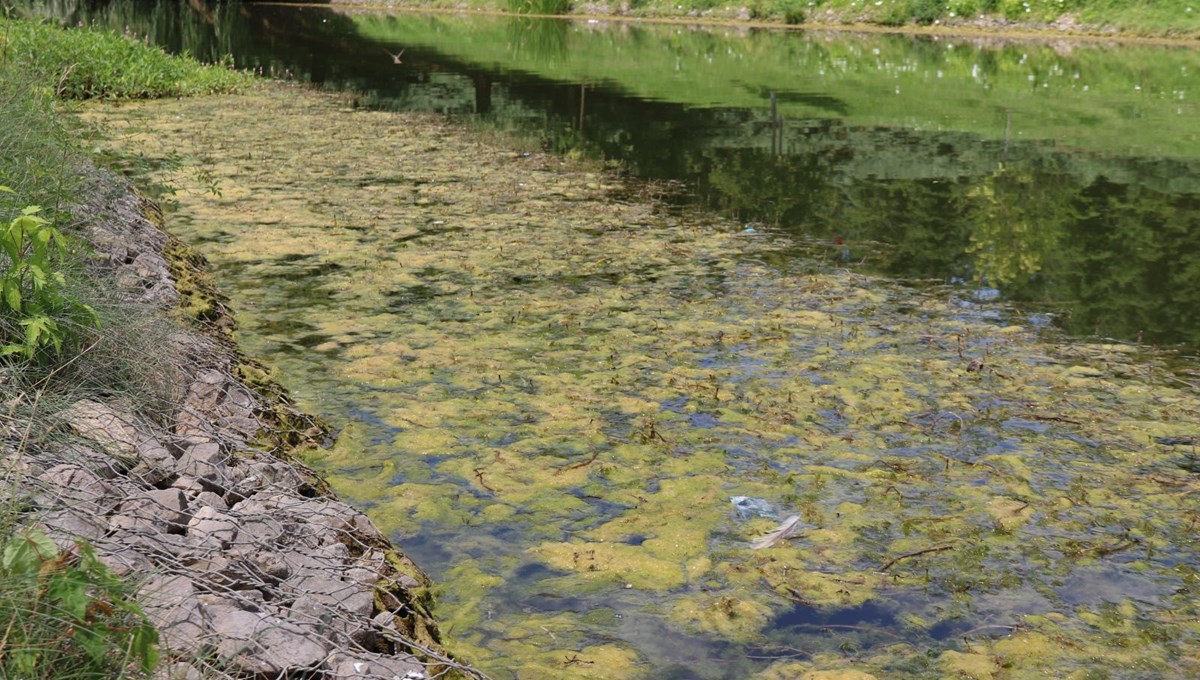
(62, 613)
(87, 63)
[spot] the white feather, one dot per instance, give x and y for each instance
(788, 528)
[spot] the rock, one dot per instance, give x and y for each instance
(321, 594)
(190, 486)
(253, 476)
(211, 500)
(206, 451)
(67, 524)
(367, 666)
(112, 430)
(262, 644)
(171, 604)
(156, 511)
(212, 526)
(211, 474)
(101, 465)
(245, 426)
(74, 486)
(238, 400)
(178, 671)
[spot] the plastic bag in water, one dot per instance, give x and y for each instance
(747, 507)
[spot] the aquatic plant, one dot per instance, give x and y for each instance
(551, 390)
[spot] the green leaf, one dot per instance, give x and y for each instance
(70, 589)
(10, 349)
(145, 647)
(24, 554)
(93, 642)
(6, 189)
(12, 295)
(31, 210)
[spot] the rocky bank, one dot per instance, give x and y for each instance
(246, 563)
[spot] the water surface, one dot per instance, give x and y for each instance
(578, 407)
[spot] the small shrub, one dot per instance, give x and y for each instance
(924, 12)
(39, 317)
(794, 15)
(65, 615)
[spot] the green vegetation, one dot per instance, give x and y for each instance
(31, 288)
(86, 63)
(1087, 98)
(64, 615)
(546, 7)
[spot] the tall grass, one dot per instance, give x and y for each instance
(85, 63)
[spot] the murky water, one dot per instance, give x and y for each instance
(579, 409)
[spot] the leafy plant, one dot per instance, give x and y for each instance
(65, 615)
(30, 287)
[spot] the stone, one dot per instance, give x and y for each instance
(323, 594)
(238, 400)
(97, 463)
(155, 511)
(368, 666)
(211, 474)
(211, 500)
(245, 426)
(170, 603)
(188, 485)
(212, 526)
(252, 476)
(207, 451)
(178, 671)
(259, 643)
(78, 488)
(65, 525)
(112, 430)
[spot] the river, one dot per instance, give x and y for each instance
(833, 300)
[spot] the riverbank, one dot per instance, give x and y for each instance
(1175, 22)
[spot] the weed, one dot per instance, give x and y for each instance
(65, 615)
(35, 315)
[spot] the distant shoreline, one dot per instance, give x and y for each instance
(989, 27)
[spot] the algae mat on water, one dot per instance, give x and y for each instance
(578, 410)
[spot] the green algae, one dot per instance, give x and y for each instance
(549, 392)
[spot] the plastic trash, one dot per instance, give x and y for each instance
(747, 507)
